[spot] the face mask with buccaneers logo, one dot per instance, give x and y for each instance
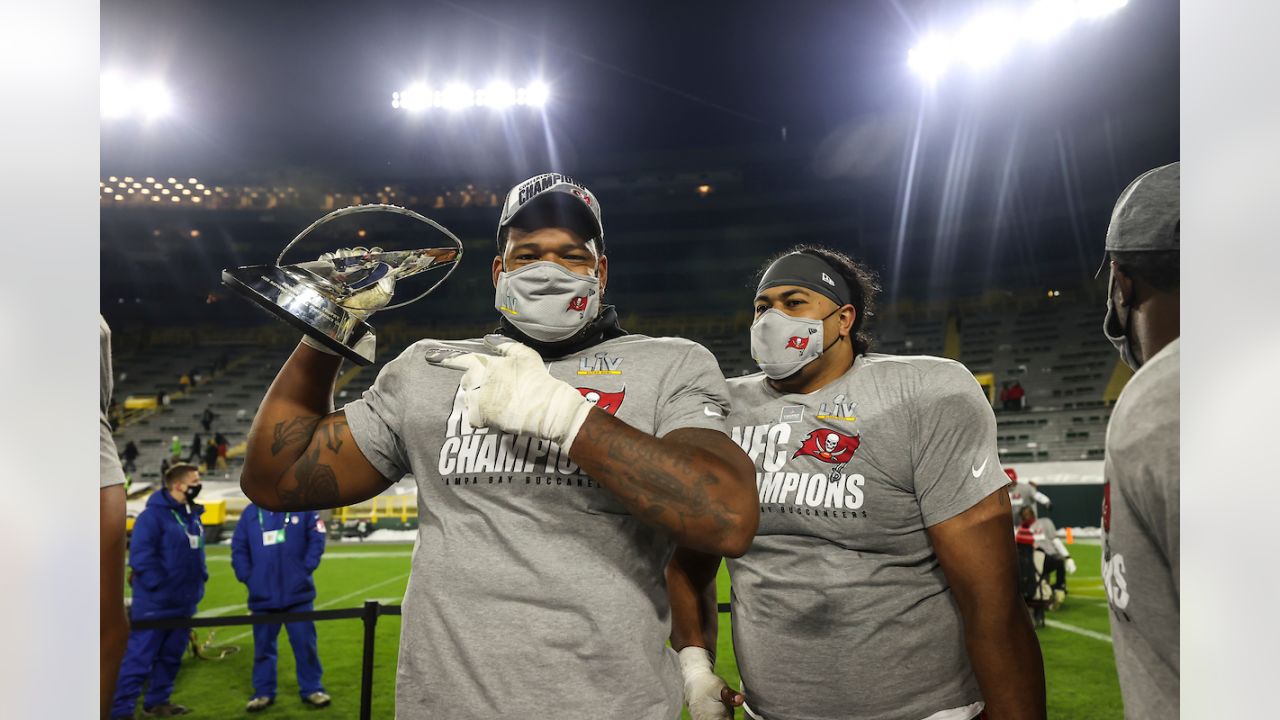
(546, 301)
(782, 344)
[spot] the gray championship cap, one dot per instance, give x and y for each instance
(552, 200)
(1146, 217)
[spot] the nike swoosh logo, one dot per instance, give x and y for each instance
(710, 413)
(978, 470)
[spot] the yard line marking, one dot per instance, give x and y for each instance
(1078, 630)
(336, 556)
(221, 610)
(334, 601)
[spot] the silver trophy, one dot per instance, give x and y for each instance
(323, 298)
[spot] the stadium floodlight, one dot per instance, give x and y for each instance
(931, 57)
(497, 95)
(1047, 19)
(121, 97)
(537, 94)
(1092, 9)
(987, 38)
(996, 31)
(457, 96)
(414, 98)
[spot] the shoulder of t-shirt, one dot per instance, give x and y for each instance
(425, 344)
(930, 371)
(669, 342)
(746, 382)
(1150, 397)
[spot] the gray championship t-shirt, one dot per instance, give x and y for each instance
(840, 608)
(1045, 532)
(533, 592)
(109, 470)
(1022, 494)
(1140, 537)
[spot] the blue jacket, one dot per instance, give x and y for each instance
(278, 575)
(168, 574)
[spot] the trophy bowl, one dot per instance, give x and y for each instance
(322, 298)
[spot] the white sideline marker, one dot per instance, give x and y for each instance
(1078, 631)
(336, 556)
(334, 601)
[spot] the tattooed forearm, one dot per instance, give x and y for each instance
(677, 487)
(333, 433)
(315, 486)
(297, 431)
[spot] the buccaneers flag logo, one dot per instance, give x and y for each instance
(1106, 507)
(798, 342)
(829, 446)
(578, 304)
(606, 401)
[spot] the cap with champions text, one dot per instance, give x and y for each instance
(552, 200)
(1146, 217)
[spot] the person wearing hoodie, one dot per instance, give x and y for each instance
(168, 573)
(275, 554)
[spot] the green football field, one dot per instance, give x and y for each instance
(1079, 665)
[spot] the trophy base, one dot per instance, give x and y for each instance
(290, 294)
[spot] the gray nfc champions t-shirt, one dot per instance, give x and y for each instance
(109, 470)
(533, 592)
(1140, 537)
(840, 607)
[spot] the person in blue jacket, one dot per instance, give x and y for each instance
(275, 553)
(168, 573)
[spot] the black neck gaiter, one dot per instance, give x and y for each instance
(604, 327)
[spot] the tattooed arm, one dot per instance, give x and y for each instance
(694, 482)
(300, 455)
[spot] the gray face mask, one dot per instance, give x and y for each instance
(782, 344)
(1117, 333)
(547, 301)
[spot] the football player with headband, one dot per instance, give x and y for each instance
(558, 462)
(881, 582)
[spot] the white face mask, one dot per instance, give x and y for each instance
(782, 344)
(547, 301)
(1117, 333)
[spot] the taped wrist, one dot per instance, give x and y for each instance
(696, 662)
(566, 411)
(315, 344)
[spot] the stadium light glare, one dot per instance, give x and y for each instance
(457, 96)
(1094, 9)
(499, 95)
(930, 57)
(121, 97)
(414, 98)
(1047, 19)
(537, 94)
(995, 32)
(987, 38)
